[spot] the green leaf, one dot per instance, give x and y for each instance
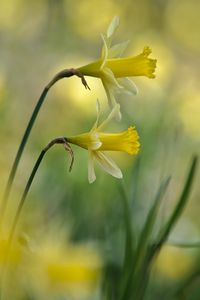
(180, 205)
(130, 241)
(179, 244)
(139, 275)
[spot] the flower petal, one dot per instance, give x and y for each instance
(128, 85)
(94, 145)
(94, 127)
(107, 164)
(113, 26)
(113, 114)
(91, 172)
(110, 95)
(104, 52)
(117, 50)
(108, 76)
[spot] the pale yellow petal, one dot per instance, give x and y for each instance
(91, 172)
(104, 53)
(113, 26)
(108, 77)
(113, 114)
(117, 50)
(107, 164)
(98, 115)
(128, 85)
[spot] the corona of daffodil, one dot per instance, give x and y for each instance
(97, 142)
(114, 70)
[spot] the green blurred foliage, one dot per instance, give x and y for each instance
(37, 39)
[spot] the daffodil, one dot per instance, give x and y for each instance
(114, 70)
(97, 142)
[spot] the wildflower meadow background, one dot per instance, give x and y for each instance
(110, 239)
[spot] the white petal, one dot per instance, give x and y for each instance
(108, 76)
(91, 172)
(108, 164)
(113, 26)
(98, 107)
(109, 93)
(95, 145)
(129, 86)
(117, 50)
(98, 115)
(95, 142)
(115, 112)
(111, 100)
(104, 53)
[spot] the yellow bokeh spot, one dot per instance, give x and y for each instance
(174, 262)
(189, 113)
(56, 268)
(183, 22)
(21, 17)
(87, 19)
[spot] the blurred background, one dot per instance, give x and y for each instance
(39, 38)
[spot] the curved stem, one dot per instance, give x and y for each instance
(19, 209)
(57, 77)
(60, 140)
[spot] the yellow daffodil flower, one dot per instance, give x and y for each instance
(114, 70)
(97, 142)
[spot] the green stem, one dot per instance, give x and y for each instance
(38, 162)
(60, 140)
(63, 74)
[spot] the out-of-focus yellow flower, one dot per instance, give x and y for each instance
(63, 270)
(96, 142)
(10, 256)
(14, 254)
(11, 266)
(169, 257)
(114, 70)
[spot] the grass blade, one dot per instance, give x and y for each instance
(136, 279)
(180, 204)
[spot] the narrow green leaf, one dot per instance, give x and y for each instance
(150, 221)
(177, 244)
(180, 204)
(139, 275)
(130, 240)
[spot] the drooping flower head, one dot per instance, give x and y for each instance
(98, 142)
(114, 70)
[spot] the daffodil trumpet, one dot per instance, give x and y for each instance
(140, 65)
(97, 142)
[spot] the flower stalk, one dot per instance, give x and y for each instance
(59, 140)
(62, 74)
